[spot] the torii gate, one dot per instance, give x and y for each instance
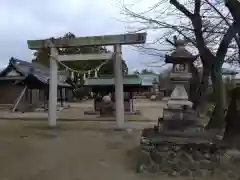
(108, 40)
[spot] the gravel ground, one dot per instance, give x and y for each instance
(79, 150)
(29, 150)
(72, 151)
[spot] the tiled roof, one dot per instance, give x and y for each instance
(42, 73)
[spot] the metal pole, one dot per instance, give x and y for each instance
(118, 76)
(52, 106)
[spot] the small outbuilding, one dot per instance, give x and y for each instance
(25, 85)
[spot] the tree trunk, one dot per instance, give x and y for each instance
(201, 91)
(232, 131)
(194, 83)
(230, 117)
(234, 6)
(217, 119)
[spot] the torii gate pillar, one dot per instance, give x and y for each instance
(119, 97)
(53, 83)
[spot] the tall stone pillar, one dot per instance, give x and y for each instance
(119, 97)
(53, 83)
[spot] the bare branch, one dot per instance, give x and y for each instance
(224, 19)
(197, 21)
(181, 8)
(227, 38)
(170, 42)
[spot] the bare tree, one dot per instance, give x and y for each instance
(234, 6)
(209, 28)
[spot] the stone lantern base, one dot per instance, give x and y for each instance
(179, 98)
(179, 103)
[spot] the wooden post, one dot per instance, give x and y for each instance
(131, 102)
(30, 96)
(46, 97)
(118, 74)
(61, 96)
(19, 98)
(66, 94)
(95, 104)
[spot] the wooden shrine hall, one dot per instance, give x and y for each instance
(105, 84)
(24, 86)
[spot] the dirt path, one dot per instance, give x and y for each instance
(74, 151)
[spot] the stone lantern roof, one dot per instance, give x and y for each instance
(180, 55)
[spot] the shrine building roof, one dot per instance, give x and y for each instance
(109, 81)
(29, 72)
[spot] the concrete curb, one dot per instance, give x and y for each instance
(74, 120)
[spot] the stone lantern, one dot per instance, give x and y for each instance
(180, 75)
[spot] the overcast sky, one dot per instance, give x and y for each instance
(22, 20)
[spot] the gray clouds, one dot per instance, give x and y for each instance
(26, 19)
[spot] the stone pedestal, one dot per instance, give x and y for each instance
(179, 97)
